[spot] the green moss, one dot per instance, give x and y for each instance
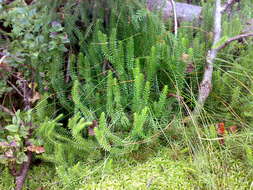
(202, 171)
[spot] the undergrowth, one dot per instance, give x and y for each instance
(115, 102)
(148, 169)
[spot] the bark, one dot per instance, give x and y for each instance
(20, 179)
(206, 83)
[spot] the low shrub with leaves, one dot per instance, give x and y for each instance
(16, 141)
(27, 36)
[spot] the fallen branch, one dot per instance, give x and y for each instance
(184, 11)
(241, 36)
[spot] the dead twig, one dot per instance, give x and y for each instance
(230, 40)
(173, 5)
(15, 88)
(6, 110)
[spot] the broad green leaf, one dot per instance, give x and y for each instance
(12, 128)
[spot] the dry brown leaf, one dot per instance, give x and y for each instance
(221, 129)
(36, 149)
(36, 96)
(221, 132)
(185, 57)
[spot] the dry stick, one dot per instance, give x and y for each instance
(20, 179)
(6, 110)
(15, 88)
(173, 5)
(241, 36)
(206, 83)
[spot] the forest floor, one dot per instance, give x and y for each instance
(159, 168)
